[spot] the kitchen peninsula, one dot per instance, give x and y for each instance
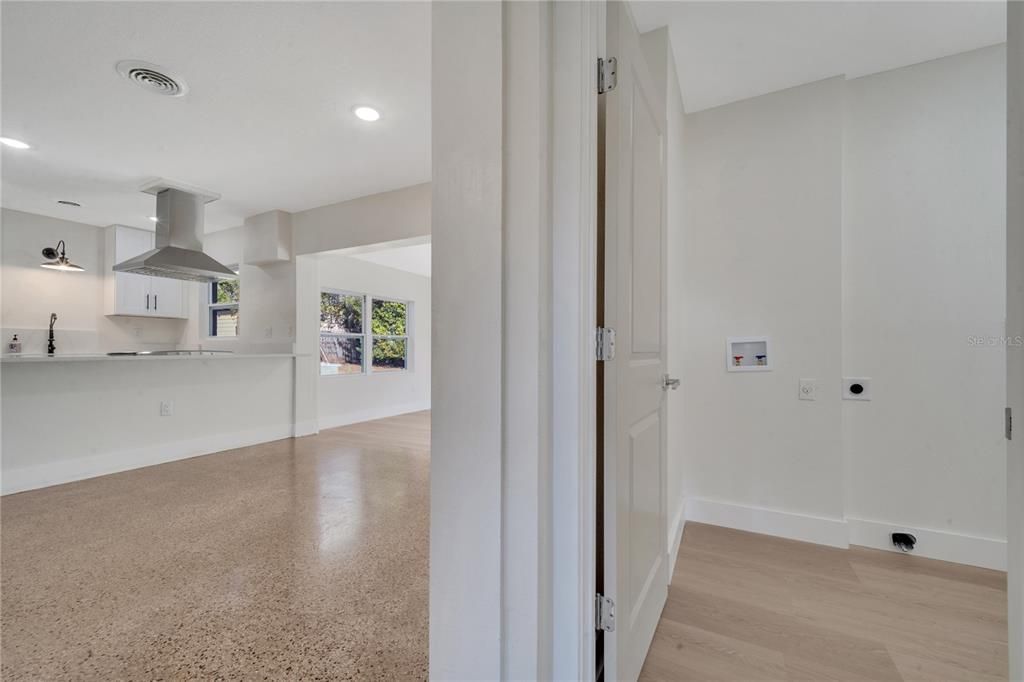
(138, 377)
(83, 413)
(70, 417)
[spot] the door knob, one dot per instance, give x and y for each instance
(668, 382)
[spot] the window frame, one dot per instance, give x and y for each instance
(360, 335)
(211, 307)
(407, 336)
(367, 332)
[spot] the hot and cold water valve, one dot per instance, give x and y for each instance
(748, 354)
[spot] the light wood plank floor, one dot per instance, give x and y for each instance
(301, 559)
(743, 606)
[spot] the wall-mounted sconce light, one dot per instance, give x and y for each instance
(56, 259)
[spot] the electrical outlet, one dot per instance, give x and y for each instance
(856, 388)
(166, 408)
(268, 332)
(808, 389)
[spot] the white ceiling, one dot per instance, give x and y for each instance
(728, 51)
(267, 122)
(414, 258)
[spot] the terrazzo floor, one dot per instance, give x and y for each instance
(298, 559)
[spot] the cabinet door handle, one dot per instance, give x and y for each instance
(147, 301)
(156, 304)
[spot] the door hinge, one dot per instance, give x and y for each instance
(606, 75)
(1008, 419)
(604, 613)
(604, 344)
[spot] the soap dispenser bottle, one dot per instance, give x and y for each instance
(14, 345)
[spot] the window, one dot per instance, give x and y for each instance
(341, 332)
(349, 337)
(222, 308)
(390, 337)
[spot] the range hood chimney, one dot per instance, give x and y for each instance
(179, 237)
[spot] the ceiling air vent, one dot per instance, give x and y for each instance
(152, 78)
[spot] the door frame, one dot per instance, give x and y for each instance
(1014, 333)
(580, 31)
(512, 516)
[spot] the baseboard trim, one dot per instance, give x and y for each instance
(794, 526)
(69, 470)
(676, 537)
(334, 421)
(308, 427)
(933, 544)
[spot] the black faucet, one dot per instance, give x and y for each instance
(50, 347)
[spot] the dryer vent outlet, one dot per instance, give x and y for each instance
(905, 541)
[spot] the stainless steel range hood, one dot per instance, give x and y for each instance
(179, 238)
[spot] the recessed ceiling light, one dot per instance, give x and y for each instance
(366, 113)
(65, 202)
(11, 142)
(154, 218)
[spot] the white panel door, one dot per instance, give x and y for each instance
(636, 560)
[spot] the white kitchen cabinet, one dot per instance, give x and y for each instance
(139, 295)
(168, 297)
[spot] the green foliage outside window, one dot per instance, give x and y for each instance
(341, 319)
(341, 313)
(225, 291)
(389, 319)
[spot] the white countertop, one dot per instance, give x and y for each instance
(93, 357)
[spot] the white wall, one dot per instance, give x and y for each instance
(266, 305)
(466, 430)
(859, 224)
(760, 255)
(30, 293)
(267, 313)
(385, 217)
(67, 420)
(346, 399)
(657, 50)
(924, 270)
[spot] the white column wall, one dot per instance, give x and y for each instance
(466, 432)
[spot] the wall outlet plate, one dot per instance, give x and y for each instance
(808, 389)
(856, 388)
(166, 408)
